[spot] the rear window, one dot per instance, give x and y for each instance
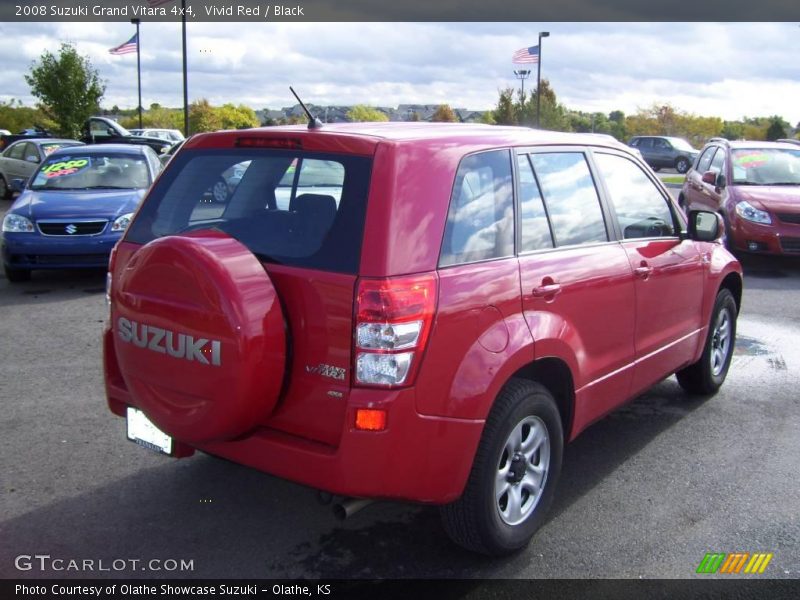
(288, 207)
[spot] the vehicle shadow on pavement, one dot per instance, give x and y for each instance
(777, 273)
(232, 521)
(52, 286)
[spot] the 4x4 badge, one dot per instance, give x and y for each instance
(327, 371)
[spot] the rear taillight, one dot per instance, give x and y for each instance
(393, 320)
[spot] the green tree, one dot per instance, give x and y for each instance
(237, 117)
(444, 114)
(67, 86)
(553, 115)
(15, 117)
(505, 113)
(157, 117)
(361, 113)
(203, 117)
(777, 128)
(487, 118)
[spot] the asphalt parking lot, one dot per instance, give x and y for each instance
(646, 492)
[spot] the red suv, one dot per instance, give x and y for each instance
(410, 311)
(755, 186)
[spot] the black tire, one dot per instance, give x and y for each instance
(478, 520)
(17, 275)
(682, 164)
(705, 377)
(656, 169)
(5, 191)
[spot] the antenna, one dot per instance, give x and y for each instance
(313, 122)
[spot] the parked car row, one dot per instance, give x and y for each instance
(101, 130)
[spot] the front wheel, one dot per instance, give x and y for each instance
(682, 165)
(514, 474)
(707, 375)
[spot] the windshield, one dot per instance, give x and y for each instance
(50, 147)
(766, 166)
(92, 171)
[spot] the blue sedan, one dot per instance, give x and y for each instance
(75, 208)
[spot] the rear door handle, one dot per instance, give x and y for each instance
(643, 272)
(546, 290)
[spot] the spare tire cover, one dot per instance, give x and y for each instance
(199, 336)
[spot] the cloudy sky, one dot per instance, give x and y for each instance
(729, 70)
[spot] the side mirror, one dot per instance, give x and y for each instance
(710, 178)
(17, 185)
(705, 226)
(721, 181)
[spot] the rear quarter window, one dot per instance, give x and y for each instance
(288, 207)
(480, 221)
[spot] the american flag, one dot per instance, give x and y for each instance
(526, 56)
(130, 46)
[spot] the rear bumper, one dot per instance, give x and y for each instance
(417, 458)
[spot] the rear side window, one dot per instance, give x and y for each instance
(570, 197)
(641, 209)
(288, 207)
(480, 222)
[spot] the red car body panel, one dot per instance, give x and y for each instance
(491, 321)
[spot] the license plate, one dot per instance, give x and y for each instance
(142, 431)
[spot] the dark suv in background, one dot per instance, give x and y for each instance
(662, 152)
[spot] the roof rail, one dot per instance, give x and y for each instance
(721, 140)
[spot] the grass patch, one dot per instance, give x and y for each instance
(679, 179)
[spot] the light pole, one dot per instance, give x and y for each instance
(138, 66)
(522, 75)
(185, 84)
(542, 34)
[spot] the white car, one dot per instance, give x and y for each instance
(172, 135)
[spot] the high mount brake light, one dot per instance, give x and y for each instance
(393, 320)
(260, 142)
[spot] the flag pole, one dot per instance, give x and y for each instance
(138, 67)
(539, 80)
(185, 88)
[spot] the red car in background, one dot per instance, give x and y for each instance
(755, 186)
